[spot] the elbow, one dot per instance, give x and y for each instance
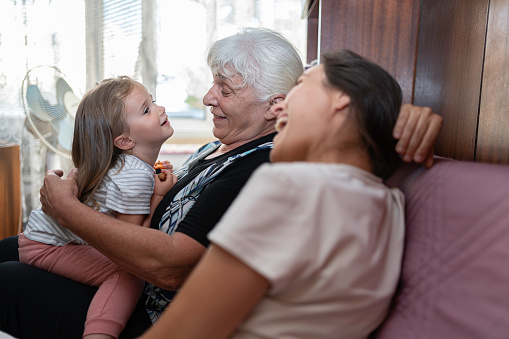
(171, 280)
(169, 277)
(169, 269)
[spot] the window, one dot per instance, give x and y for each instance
(160, 43)
(163, 44)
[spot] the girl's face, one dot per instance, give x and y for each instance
(304, 117)
(148, 123)
(238, 116)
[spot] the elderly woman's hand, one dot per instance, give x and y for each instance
(57, 191)
(417, 129)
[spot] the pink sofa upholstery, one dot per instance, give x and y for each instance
(455, 276)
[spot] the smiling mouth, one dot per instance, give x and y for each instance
(281, 123)
(216, 116)
(165, 122)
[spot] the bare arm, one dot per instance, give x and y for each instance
(417, 129)
(218, 295)
(154, 256)
(136, 219)
(160, 190)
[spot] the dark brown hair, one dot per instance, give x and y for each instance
(375, 97)
(100, 118)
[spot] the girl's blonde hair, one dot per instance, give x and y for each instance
(100, 118)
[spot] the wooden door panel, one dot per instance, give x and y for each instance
(493, 135)
(384, 31)
(449, 70)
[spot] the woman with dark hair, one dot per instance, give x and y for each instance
(312, 246)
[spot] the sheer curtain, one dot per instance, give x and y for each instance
(36, 34)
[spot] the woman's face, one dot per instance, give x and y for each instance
(304, 117)
(238, 116)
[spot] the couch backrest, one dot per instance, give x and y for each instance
(455, 276)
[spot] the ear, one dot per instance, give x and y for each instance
(123, 142)
(271, 113)
(341, 101)
(340, 108)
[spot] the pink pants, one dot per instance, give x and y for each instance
(119, 291)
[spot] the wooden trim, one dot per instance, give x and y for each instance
(10, 188)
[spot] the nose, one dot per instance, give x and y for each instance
(210, 98)
(162, 110)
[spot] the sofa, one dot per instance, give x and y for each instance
(455, 271)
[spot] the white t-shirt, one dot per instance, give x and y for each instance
(328, 238)
(126, 190)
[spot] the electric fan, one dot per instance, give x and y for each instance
(50, 106)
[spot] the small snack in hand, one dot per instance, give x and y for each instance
(158, 166)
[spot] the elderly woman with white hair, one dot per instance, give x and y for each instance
(253, 71)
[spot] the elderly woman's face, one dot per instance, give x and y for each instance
(238, 117)
(304, 117)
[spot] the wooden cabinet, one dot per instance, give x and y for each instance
(10, 190)
(450, 55)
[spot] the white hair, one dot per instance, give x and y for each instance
(267, 62)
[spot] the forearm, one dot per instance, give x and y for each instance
(154, 256)
(219, 279)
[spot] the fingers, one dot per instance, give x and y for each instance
(162, 186)
(409, 127)
(73, 174)
(56, 192)
(56, 172)
(53, 175)
(428, 162)
(50, 176)
(165, 173)
(427, 142)
(418, 129)
(167, 165)
(162, 176)
(164, 164)
(401, 121)
(416, 140)
(173, 178)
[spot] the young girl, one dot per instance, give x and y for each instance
(118, 133)
(312, 246)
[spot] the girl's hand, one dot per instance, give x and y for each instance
(161, 187)
(167, 165)
(164, 164)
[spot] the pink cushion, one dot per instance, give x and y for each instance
(455, 277)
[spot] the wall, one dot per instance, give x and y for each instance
(450, 55)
